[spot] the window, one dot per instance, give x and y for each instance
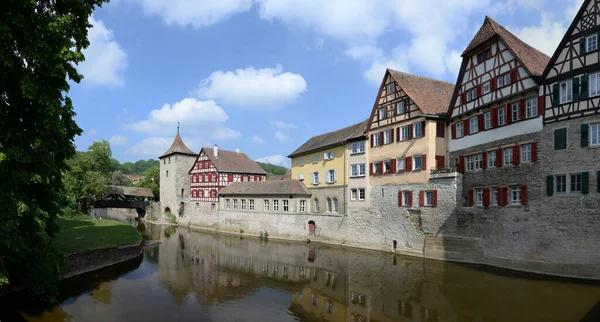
(328, 156)
(361, 194)
(167, 173)
(243, 204)
(400, 108)
(474, 162)
(515, 195)
(301, 162)
(383, 113)
(418, 129)
(487, 120)
(531, 108)
(474, 125)
(491, 159)
(506, 78)
(400, 165)
(474, 93)
(275, 205)
(508, 156)
(376, 139)
(387, 166)
(353, 194)
(235, 204)
(595, 84)
(526, 153)
(405, 198)
(428, 198)
(357, 170)
(418, 163)
(266, 205)
(376, 168)
(459, 130)
(336, 208)
(591, 43)
(331, 176)
(169, 160)
(314, 178)
(286, 205)
(561, 184)
(316, 205)
(251, 204)
(315, 159)
(515, 112)
(404, 133)
(568, 183)
(484, 55)
(468, 95)
(227, 204)
(302, 205)
(566, 91)
(329, 205)
(500, 82)
(486, 87)
(388, 135)
(494, 196)
(501, 116)
(358, 147)
(479, 197)
(575, 182)
(595, 134)
(390, 88)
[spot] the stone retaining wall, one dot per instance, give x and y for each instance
(94, 259)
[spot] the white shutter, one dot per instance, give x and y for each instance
(301, 176)
(312, 178)
(317, 177)
(331, 155)
(325, 156)
(334, 175)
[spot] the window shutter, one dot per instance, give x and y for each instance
(439, 162)
(408, 164)
(504, 196)
(559, 139)
(585, 183)
(421, 198)
(399, 198)
(371, 168)
(392, 136)
(410, 198)
(575, 88)
(493, 84)
(549, 185)
(424, 162)
(478, 90)
(334, 175)
(555, 95)
(598, 181)
(434, 196)
(499, 158)
(380, 167)
(514, 75)
(480, 122)
(210, 178)
(470, 198)
(230, 177)
(372, 140)
(582, 46)
(507, 113)
(453, 130)
(516, 154)
(466, 128)
(423, 129)
(486, 197)
(585, 136)
(463, 98)
(499, 196)
(398, 134)
(393, 161)
(540, 105)
(410, 131)
(523, 194)
(494, 114)
(312, 177)
(461, 164)
(484, 156)
(584, 87)
(521, 109)
(380, 138)
(534, 152)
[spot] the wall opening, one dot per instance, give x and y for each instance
(182, 192)
(167, 210)
(395, 244)
(312, 227)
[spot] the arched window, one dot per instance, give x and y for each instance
(329, 207)
(335, 205)
(316, 205)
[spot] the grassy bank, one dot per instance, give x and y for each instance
(81, 233)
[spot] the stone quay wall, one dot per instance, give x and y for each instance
(94, 259)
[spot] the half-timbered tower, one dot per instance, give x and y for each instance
(495, 119)
(215, 169)
(571, 134)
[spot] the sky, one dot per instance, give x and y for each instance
(266, 75)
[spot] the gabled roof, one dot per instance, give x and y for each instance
(231, 161)
(432, 96)
(286, 176)
(328, 140)
(532, 59)
(178, 147)
(129, 191)
(566, 37)
(269, 187)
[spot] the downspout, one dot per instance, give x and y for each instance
(345, 184)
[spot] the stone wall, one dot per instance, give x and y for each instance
(171, 186)
(93, 259)
(322, 193)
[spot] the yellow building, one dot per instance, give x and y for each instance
(322, 164)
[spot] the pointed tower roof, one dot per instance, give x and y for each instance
(534, 60)
(178, 147)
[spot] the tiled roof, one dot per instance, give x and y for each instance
(129, 191)
(286, 176)
(269, 187)
(231, 161)
(327, 140)
(360, 131)
(432, 96)
(534, 60)
(178, 147)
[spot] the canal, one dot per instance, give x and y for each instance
(198, 276)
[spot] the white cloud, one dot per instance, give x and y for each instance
(105, 60)
(118, 139)
(91, 132)
(156, 146)
(364, 53)
(544, 37)
(276, 160)
(257, 140)
(398, 61)
(281, 137)
(282, 125)
(266, 88)
(196, 13)
(572, 10)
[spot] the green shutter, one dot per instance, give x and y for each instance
(585, 182)
(584, 92)
(555, 94)
(549, 185)
(560, 139)
(585, 135)
(582, 46)
(576, 89)
(598, 180)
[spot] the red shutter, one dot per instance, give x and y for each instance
(461, 164)
(424, 162)
(408, 164)
(381, 138)
(393, 165)
(499, 158)
(516, 154)
(410, 131)
(507, 113)
(439, 162)
(486, 197)
(421, 198)
(493, 84)
(380, 167)
(463, 98)
(534, 156)
(371, 168)
(484, 160)
(466, 127)
(423, 128)
(392, 136)
(521, 109)
(499, 196)
(434, 197)
(478, 90)
(480, 122)
(209, 177)
(523, 194)
(453, 129)
(494, 114)
(470, 198)
(540, 105)
(514, 74)
(504, 196)
(397, 134)
(410, 198)
(399, 198)
(230, 177)
(372, 140)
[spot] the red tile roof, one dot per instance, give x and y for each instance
(432, 96)
(177, 147)
(233, 162)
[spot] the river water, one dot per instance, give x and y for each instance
(198, 276)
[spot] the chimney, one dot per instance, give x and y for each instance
(216, 151)
(237, 151)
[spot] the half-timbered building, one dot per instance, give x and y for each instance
(495, 119)
(571, 134)
(215, 169)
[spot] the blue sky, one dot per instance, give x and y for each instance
(266, 75)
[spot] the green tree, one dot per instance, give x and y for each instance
(152, 181)
(117, 178)
(41, 41)
(88, 174)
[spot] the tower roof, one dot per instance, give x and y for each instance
(178, 147)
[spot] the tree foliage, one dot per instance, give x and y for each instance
(152, 181)
(273, 170)
(138, 167)
(41, 41)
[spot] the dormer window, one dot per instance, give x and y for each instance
(484, 55)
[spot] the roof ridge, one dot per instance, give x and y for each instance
(422, 77)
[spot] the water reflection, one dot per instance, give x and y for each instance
(194, 276)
